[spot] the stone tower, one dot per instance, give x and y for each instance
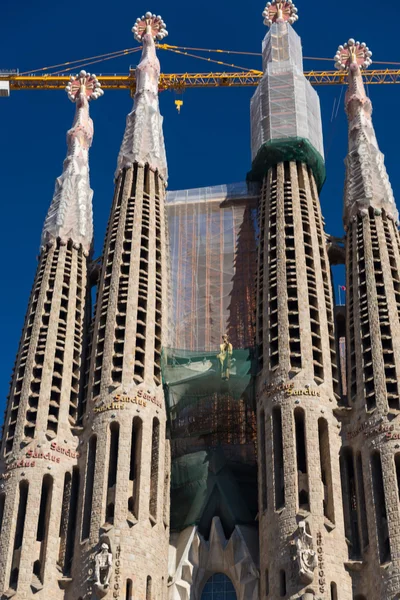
(371, 457)
(38, 463)
(301, 529)
(123, 510)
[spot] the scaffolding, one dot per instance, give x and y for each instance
(213, 237)
(210, 399)
(212, 426)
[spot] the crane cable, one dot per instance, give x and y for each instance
(177, 49)
(168, 46)
(107, 56)
(218, 62)
(86, 64)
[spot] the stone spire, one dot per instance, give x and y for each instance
(39, 477)
(143, 140)
(70, 213)
(370, 445)
(125, 443)
(367, 182)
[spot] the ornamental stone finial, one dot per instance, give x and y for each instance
(149, 23)
(84, 83)
(280, 11)
(70, 214)
(352, 55)
(367, 182)
(143, 140)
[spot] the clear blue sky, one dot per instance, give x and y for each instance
(207, 144)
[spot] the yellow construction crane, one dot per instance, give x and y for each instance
(39, 79)
(183, 81)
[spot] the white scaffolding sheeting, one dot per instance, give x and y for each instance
(217, 193)
(212, 234)
(285, 105)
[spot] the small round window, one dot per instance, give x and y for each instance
(219, 587)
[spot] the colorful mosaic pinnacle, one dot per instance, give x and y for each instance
(353, 53)
(149, 23)
(84, 82)
(280, 12)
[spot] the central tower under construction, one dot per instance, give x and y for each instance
(297, 385)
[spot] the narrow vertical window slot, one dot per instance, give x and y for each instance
(263, 452)
(282, 583)
(155, 451)
(71, 526)
(326, 469)
(19, 533)
(380, 508)
(64, 518)
(350, 502)
(301, 458)
(148, 588)
(2, 504)
(278, 458)
(128, 594)
(397, 464)
(266, 582)
(112, 472)
(334, 595)
(43, 526)
(361, 501)
(134, 470)
(90, 469)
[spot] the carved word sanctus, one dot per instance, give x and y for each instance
(66, 451)
(120, 401)
(369, 430)
(21, 463)
(288, 389)
(39, 454)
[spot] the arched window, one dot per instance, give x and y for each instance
(2, 504)
(155, 449)
(219, 587)
(90, 468)
(112, 472)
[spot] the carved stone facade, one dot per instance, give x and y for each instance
(192, 560)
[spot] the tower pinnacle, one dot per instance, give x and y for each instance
(367, 183)
(149, 23)
(279, 11)
(285, 112)
(70, 213)
(143, 140)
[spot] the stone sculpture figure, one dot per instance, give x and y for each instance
(103, 565)
(225, 357)
(306, 556)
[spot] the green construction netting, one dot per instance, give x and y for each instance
(286, 150)
(212, 425)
